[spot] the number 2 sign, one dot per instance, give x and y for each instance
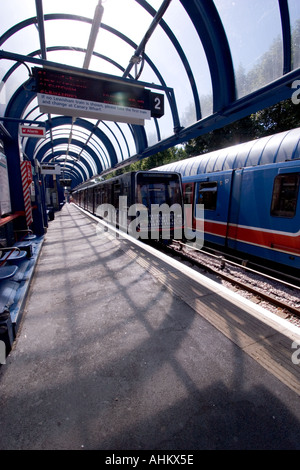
(157, 105)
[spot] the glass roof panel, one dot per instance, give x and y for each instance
(24, 41)
(294, 8)
(67, 33)
(68, 57)
(181, 25)
(33, 113)
(15, 12)
(174, 57)
(255, 38)
(20, 75)
(137, 19)
(119, 142)
(114, 134)
(111, 46)
(77, 7)
(174, 74)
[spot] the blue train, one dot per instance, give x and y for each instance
(251, 196)
(140, 189)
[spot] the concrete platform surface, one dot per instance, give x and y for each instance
(108, 358)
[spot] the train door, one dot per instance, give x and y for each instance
(116, 190)
(265, 220)
(188, 191)
(285, 216)
(90, 200)
(234, 208)
(85, 199)
(213, 191)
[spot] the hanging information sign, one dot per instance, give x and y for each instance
(82, 96)
(28, 131)
(50, 169)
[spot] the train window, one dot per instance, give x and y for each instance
(207, 195)
(174, 193)
(162, 190)
(99, 197)
(188, 193)
(285, 195)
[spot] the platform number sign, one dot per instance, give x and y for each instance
(157, 105)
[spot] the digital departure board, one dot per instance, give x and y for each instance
(79, 95)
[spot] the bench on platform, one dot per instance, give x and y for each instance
(15, 280)
(7, 271)
(12, 255)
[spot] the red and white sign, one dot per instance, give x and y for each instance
(26, 174)
(29, 131)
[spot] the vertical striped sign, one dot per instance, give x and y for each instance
(26, 174)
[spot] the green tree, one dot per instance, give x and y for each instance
(278, 118)
(232, 134)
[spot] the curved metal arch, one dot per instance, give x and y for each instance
(75, 180)
(181, 54)
(16, 104)
(115, 137)
(86, 163)
(62, 120)
(33, 20)
(76, 169)
(75, 174)
(69, 168)
(37, 118)
(56, 154)
(207, 22)
(21, 99)
(60, 158)
(124, 137)
(64, 48)
(32, 146)
(138, 132)
(85, 136)
(66, 16)
(286, 35)
(64, 140)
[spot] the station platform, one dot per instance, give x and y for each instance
(121, 349)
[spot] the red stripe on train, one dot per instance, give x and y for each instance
(273, 240)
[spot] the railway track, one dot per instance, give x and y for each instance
(282, 296)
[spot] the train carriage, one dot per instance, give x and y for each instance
(148, 205)
(251, 196)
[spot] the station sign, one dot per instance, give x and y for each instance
(50, 169)
(83, 96)
(30, 131)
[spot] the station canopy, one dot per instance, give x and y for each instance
(167, 71)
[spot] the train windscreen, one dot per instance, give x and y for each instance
(158, 189)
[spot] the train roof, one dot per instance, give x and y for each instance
(271, 149)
